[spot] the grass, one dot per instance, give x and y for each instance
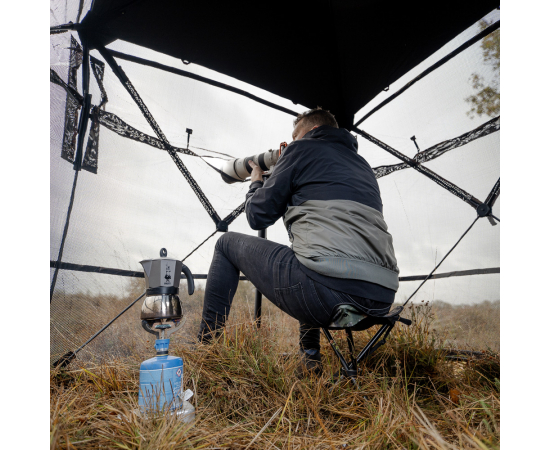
(246, 395)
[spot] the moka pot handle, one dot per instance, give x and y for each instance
(190, 281)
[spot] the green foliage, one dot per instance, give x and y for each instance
(486, 100)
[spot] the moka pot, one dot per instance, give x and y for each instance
(162, 279)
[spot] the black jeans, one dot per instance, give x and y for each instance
(275, 271)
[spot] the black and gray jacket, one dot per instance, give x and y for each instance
(332, 208)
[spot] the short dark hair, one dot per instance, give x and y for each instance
(317, 116)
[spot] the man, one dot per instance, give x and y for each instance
(341, 250)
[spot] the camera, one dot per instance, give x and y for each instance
(239, 169)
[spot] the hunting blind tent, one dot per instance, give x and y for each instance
(148, 99)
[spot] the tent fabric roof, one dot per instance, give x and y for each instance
(338, 55)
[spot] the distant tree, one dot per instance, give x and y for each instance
(486, 100)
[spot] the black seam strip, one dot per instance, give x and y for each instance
(117, 125)
(451, 187)
(70, 127)
(91, 155)
(75, 95)
(134, 274)
(85, 113)
(98, 69)
(150, 119)
(493, 195)
(184, 73)
(456, 273)
(430, 69)
(435, 151)
(63, 28)
(234, 214)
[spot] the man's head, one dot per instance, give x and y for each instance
(312, 119)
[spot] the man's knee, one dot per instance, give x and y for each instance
(224, 239)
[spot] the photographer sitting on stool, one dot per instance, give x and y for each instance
(341, 250)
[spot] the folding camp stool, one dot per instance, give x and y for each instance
(347, 317)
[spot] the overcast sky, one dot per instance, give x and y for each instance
(139, 202)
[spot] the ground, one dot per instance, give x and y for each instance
(410, 395)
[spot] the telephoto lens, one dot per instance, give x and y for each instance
(239, 169)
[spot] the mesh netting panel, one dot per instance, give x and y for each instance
(439, 91)
(60, 190)
(136, 204)
(81, 306)
(65, 11)
(62, 175)
(425, 219)
(138, 201)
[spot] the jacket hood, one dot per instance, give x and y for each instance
(333, 135)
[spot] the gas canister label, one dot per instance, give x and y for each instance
(159, 387)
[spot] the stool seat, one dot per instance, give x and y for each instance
(348, 316)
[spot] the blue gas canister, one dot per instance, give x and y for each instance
(160, 380)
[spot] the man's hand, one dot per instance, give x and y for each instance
(257, 173)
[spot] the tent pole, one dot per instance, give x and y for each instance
(258, 302)
(65, 230)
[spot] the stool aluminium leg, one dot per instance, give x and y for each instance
(348, 371)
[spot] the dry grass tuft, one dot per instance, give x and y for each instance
(247, 397)
(246, 394)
